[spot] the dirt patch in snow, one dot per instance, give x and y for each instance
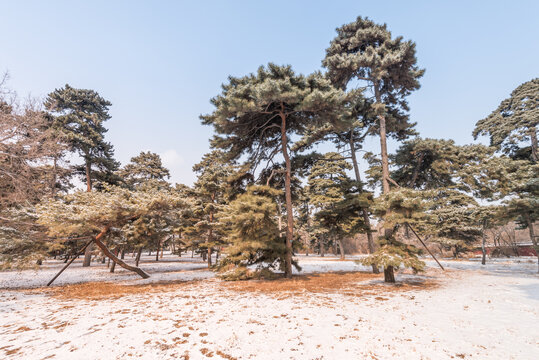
(108, 290)
(346, 283)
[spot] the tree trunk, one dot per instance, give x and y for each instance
(137, 259)
(210, 232)
(533, 136)
(322, 247)
(341, 248)
(533, 239)
(389, 275)
(123, 254)
(388, 233)
(54, 177)
(113, 266)
(157, 252)
(364, 212)
(88, 176)
(484, 239)
(88, 255)
(416, 170)
(288, 197)
(108, 253)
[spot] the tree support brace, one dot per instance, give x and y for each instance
(431, 254)
(70, 261)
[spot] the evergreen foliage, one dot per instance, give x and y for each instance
(253, 235)
(366, 52)
(256, 115)
(336, 200)
(514, 121)
(145, 169)
(79, 114)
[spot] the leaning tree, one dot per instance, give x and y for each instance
(93, 215)
(366, 52)
(257, 115)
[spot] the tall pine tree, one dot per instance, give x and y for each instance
(256, 115)
(365, 51)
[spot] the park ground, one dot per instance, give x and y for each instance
(332, 310)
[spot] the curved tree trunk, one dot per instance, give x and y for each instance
(113, 257)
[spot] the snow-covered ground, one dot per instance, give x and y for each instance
(183, 312)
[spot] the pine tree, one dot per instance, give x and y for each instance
(434, 163)
(145, 169)
(256, 115)
(95, 214)
(514, 121)
(80, 114)
(210, 191)
(334, 196)
(366, 52)
(399, 208)
(253, 236)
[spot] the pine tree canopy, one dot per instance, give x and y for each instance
(247, 116)
(514, 121)
(79, 114)
(433, 163)
(143, 168)
(87, 213)
(253, 234)
(364, 50)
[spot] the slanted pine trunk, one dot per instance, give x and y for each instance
(389, 275)
(288, 197)
(364, 212)
(109, 254)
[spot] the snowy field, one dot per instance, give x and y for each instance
(183, 312)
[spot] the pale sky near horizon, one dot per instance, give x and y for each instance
(159, 62)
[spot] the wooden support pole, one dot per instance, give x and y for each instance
(431, 254)
(70, 261)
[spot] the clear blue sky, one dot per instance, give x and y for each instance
(159, 62)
